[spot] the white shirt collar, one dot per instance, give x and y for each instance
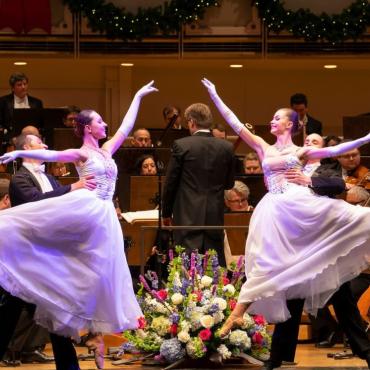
(202, 130)
(21, 103)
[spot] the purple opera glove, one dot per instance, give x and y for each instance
(225, 111)
(130, 117)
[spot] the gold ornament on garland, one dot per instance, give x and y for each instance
(116, 23)
(351, 23)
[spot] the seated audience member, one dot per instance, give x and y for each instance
(332, 140)
(59, 169)
(169, 112)
(141, 138)
(145, 165)
(4, 194)
(252, 165)
(352, 171)
(69, 118)
(218, 130)
(332, 162)
(30, 130)
(236, 199)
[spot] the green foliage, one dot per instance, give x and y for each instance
(351, 23)
(117, 23)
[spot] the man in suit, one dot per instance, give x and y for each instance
(18, 99)
(30, 184)
(298, 102)
(201, 167)
(4, 194)
(285, 337)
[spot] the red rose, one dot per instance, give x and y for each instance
(141, 322)
(162, 294)
(205, 334)
(232, 304)
(257, 338)
(259, 320)
(225, 280)
(173, 329)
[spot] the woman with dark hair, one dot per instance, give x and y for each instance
(332, 163)
(145, 165)
(66, 254)
(300, 245)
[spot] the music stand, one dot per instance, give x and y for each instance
(26, 117)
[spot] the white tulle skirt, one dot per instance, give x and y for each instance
(66, 255)
(301, 245)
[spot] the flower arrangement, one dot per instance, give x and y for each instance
(182, 320)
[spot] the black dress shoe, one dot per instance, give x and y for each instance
(328, 343)
(36, 356)
(11, 363)
(270, 365)
(367, 359)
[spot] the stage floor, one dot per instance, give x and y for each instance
(308, 357)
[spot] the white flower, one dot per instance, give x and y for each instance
(195, 318)
(161, 325)
(207, 294)
(221, 303)
(141, 333)
(239, 338)
(224, 352)
(177, 280)
(177, 298)
(183, 336)
(218, 317)
(248, 322)
(157, 307)
(206, 281)
(229, 289)
(207, 321)
(185, 325)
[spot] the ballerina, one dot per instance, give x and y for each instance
(299, 245)
(66, 254)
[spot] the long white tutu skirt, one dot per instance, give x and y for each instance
(66, 255)
(301, 245)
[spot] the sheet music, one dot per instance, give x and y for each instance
(132, 217)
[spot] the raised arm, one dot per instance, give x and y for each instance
(254, 141)
(332, 151)
(69, 155)
(129, 120)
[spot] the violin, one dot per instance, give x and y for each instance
(361, 177)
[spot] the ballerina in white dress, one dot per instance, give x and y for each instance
(300, 245)
(66, 254)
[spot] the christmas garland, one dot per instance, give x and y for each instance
(351, 23)
(116, 23)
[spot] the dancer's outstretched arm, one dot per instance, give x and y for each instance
(332, 151)
(45, 155)
(129, 120)
(254, 141)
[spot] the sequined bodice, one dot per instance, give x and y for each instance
(101, 165)
(275, 179)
